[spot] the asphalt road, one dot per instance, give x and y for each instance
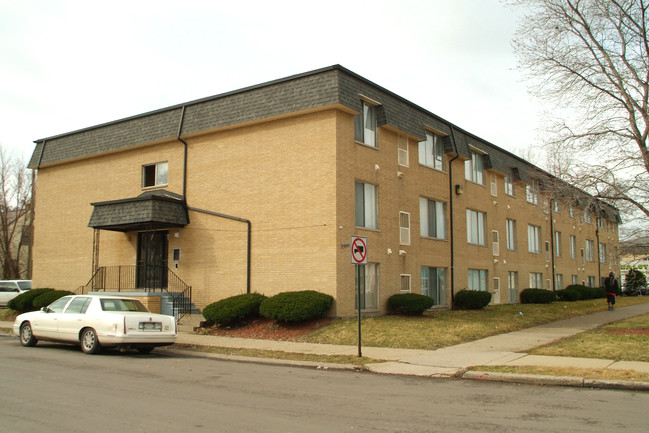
(54, 388)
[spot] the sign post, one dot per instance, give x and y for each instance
(359, 257)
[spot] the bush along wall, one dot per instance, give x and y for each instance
(234, 309)
(537, 296)
(410, 304)
(24, 301)
(296, 306)
(472, 299)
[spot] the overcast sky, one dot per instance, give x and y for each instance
(66, 65)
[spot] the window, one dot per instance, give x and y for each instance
(555, 206)
(532, 192)
(558, 282)
(573, 247)
(590, 250)
(602, 253)
(432, 218)
(512, 284)
(155, 174)
(536, 280)
(474, 168)
(366, 205)
(365, 125)
(431, 151)
(557, 244)
(367, 276)
(601, 223)
(405, 283)
(433, 284)
(509, 186)
(404, 228)
(571, 212)
(588, 217)
(494, 185)
(495, 242)
(78, 306)
(511, 234)
(591, 281)
(547, 251)
(476, 227)
(58, 305)
(534, 239)
(477, 280)
(574, 279)
(403, 151)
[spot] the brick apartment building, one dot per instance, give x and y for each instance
(261, 189)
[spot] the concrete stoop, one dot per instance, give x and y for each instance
(189, 322)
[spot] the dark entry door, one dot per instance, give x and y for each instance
(152, 260)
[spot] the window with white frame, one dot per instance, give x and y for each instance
(592, 281)
(365, 125)
(405, 283)
(476, 225)
(573, 247)
(368, 277)
(590, 250)
(558, 282)
(601, 222)
(511, 234)
(474, 168)
(431, 151)
(512, 284)
(403, 158)
(404, 228)
(509, 186)
(571, 212)
(602, 253)
(366, 205)
(494, 185)
(477, 280)
(555, 206)
(155, 174)
(557, 244)
(588, 217)
(433, 284)
(574, 279)
(432, 218)
(532, 192)
(534, 239)
(536, 280)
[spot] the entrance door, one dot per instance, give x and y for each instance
(152, 260)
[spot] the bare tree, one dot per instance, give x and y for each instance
(589, 60)
(15, 217)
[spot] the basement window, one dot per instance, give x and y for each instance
(155, 174)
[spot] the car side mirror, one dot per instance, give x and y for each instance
(45, 310)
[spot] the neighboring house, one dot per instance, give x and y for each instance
(261, 190)
(14, 236)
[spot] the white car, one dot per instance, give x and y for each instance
(9, 289)
(95, 321)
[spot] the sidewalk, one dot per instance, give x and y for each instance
(503, 349)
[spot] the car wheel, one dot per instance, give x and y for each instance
(89, 341)
(27, 339)
(145, 349)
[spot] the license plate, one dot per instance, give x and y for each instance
(150, 326)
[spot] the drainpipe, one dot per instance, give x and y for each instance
(599, 264)
(230, 217)
(217, 214)
(451, 232)
(553, 282)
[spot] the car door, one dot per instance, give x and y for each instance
(73, 318)
(46, 323)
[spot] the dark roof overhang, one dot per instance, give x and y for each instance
(152, 210)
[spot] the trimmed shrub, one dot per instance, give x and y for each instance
(410, 304)
(537, 296)
(23, 302)
(569, 295)
(45, 299)
(296, 306)
(234, 309)
(472, 299)
(586, 292)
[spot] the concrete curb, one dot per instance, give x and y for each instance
(545, 380)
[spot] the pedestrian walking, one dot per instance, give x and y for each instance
(612, 287)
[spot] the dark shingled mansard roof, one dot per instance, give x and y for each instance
(330, 86)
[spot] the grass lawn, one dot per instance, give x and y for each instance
(446, 328)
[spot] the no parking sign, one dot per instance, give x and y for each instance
(359, 250)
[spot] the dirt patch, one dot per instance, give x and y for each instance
(267, 329)
(630, 331)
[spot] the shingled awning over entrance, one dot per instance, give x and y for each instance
(149, 211)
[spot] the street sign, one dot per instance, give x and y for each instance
(359, 250)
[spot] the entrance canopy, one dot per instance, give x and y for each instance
(151, 210)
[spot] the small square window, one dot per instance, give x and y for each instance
(155, 174)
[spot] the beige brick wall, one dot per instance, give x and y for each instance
(293, 178)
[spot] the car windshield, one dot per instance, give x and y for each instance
(123, 305)
(25, 285)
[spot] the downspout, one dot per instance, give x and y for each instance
(230, 217)
(553, 282)
(599, 264)
(451, 231)
(249, 224)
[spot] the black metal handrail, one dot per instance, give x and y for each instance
(140, 278)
